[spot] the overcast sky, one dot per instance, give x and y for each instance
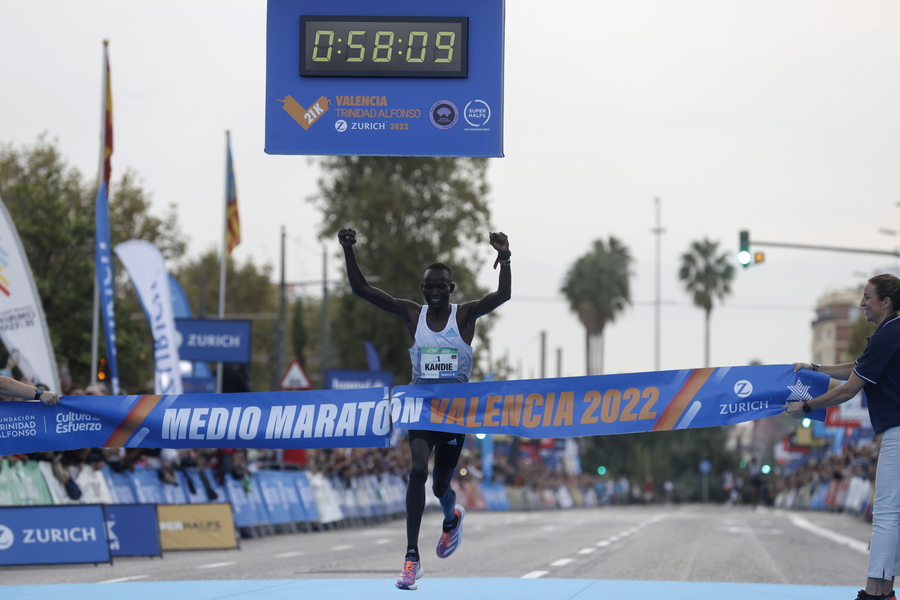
(777, 116)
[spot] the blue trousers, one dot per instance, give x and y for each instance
(884, 555)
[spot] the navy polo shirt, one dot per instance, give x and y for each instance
(879, 367)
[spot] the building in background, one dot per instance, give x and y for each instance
(835, 314)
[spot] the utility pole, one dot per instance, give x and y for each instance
(543, 354)
(278, 343)
(657, 231)
(326, 349)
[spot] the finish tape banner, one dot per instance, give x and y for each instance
(308, 419)
(608, 404)
(538, 408)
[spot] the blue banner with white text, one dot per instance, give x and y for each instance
(607, 404)
(105, 278)
(214, 340)
(307, 419)
(539, 408)
(43, 535)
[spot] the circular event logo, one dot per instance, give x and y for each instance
(477, 113)
(6, 537)
(743, 388)
(340, 125)
(443, 114)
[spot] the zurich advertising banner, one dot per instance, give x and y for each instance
(213, 340)
(41, 535)
(539, 408)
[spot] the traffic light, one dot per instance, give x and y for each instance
(744, 257)
(102, 373)
(758, 257)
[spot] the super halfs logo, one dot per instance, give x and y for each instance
(305, 116)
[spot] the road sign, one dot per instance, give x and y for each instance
(388, 78)
(295, 378)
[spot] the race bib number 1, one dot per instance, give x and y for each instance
(438, 363)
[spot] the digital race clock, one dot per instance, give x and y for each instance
(385, 77)
(354, 46)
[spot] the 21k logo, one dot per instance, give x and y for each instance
(305, 116)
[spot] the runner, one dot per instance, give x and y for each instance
(442, 335)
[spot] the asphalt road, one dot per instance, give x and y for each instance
(697, 543)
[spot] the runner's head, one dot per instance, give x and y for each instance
(437, 285)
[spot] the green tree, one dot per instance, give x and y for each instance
(664, 455)
(53, 210)
(597, 287)
(408, 212)
(860, 332)
(249, 294)
(706, 275)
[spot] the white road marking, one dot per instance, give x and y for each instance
(734, 529)
(383, 541)
(830, 535)
(343, 547)
(288, 554)
(564, 561)
(534, 574)
(122, 579)
(217, 565)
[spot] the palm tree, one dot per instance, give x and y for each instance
(597, 288)
(706, 275)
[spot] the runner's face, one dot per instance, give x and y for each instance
(436, 288)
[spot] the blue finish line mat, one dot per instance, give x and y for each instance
(449, 589)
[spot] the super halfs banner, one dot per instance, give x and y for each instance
(540, 408)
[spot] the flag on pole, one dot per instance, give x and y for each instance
(102, 254)
(107, 120)
(232, 221)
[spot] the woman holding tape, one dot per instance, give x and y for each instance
(877, 371)
(11, 388)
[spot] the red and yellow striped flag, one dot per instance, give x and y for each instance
(232, 221)
(107, 123)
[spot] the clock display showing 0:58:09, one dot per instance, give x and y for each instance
(384, 47)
